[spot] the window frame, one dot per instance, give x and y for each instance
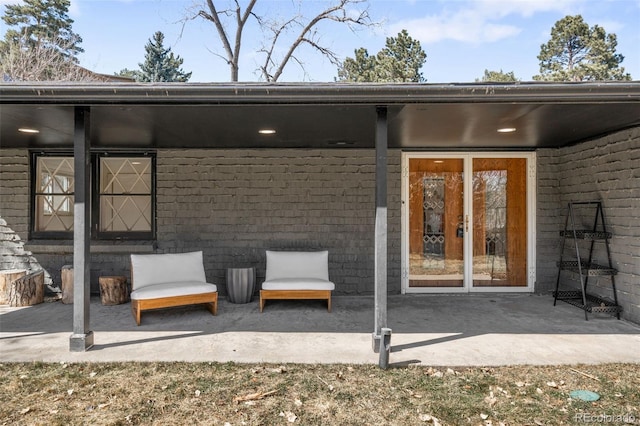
(33, 194)
(96, 234)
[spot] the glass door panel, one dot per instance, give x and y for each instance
(436, 210)
(499, 222)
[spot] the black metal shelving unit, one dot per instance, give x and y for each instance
(586, 240)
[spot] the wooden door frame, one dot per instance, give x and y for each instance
(468, 157)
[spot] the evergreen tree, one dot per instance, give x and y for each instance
(577, 52)
(160, 64)
(41, 24)
(399, 61)
(360, 69)
(126, 72)
(40, 44)
(497, 76)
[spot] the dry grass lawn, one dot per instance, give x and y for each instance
(259, 394)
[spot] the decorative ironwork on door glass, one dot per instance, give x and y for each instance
(433, 207)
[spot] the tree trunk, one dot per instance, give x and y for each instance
(28, 290)
(113, 290)
(6, 278)
(67, 284)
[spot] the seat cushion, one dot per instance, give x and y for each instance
(172, 290)
(294, 264)
(298, 284)
(152, 269)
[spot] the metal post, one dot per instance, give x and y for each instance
(385, 348)
(380, 280)
(82, 337)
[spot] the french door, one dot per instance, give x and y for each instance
(468, 222)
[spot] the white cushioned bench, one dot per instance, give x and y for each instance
(297, 275)
(167, 280)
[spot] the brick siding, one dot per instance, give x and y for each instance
(607, 170)
(235, 204)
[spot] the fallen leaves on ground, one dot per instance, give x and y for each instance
(254, 396)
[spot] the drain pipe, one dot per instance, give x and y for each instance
(385, 348)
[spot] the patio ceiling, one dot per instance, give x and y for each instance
(317, 115)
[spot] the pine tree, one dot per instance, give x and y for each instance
(360, 69)
(577, 52)
(132, 74)
(160, 65)
(399, 61)
(41, 24)
(40, 44)
(497, 77)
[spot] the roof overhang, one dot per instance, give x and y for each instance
(317, 115)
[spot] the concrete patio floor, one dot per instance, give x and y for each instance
(437, 330)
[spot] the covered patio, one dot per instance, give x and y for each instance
(291, 166)
(432, 330)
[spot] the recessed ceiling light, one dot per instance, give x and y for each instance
(507, 130)
(438, 161)
(266, 131)
(28, 130)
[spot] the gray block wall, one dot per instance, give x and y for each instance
(14, 213)
(235, 204)
(606, 170)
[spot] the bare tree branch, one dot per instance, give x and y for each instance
(277, 30)
(272, 66)
(21, 61)
(213, 15)
(336, 13)
(215, 18)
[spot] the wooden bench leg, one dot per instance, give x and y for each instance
(261, 302)
(213, 306)
(135, 310)
(329, 304)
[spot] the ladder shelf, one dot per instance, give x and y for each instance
(585, 268)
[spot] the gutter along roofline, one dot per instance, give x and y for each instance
(315, 93)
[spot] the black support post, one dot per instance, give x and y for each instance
(380, 280)
(82, 337)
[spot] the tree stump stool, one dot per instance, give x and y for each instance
(27, 290)
(114, 290)
(6, 278)
(66, 275)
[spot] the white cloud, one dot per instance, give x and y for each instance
(461, 27)
(611, 26)
(476, 21)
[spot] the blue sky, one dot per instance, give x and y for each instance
(462, 38)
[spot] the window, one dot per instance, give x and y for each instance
(122, 196)
(54, 194)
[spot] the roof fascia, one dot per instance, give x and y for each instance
(316, 93)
